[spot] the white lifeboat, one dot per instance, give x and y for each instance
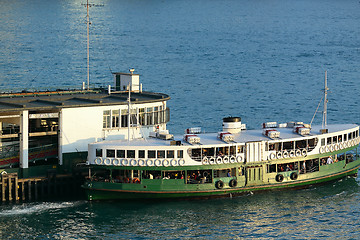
(270, 125)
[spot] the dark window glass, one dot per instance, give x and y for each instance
(161, 154)
(120, 153)
(141, 153)
(170, 153)
(110, 153)
(151, 154)
(99, 152)
(180, 154)
(130, 153)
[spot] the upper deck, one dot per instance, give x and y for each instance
(37, 101)
(286, 134)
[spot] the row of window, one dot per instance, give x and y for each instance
(308, 144)
(112, 153)
(340, 138)
(199, 153)
(140, 116)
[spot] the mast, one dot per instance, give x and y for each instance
(88, 44)
(324, 123)
(129, 114)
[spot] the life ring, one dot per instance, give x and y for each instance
(149, 162)
(304, 152)
(272, 156)
(226, 159)
(337, 147)
(107, 161)
(141, 162)
(233, 183)
(298, 153)
(341, 145)
(322, 150)
(173, 162)
(219, 184)
(205, 161)
(124, 162)
(166, 163)
(327, 149)
(212, 161)
(332, 148)
(157, 162)
(279, 178)
(239, 159)
(285, 154)
(219, 160)
(98, 161)
(133, 162)
(278, 155)
(292, 154)
(293, 176)
(232, 159)
(182, 162)
(116, 162)
(136, 180)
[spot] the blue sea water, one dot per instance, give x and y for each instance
(260, 60)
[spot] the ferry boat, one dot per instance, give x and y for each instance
(233, 161)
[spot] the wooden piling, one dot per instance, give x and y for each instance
(10, 188)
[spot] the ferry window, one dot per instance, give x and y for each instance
(170, 153)
(357, 133)
(133, 116)
(353, 134)
(241, 171)
(124, 118)
(180, 154)
(151, 174)
(151, 154)
(328, 140)
(115, 118)
(345, 137)
(350, 136)
(142, 116)
(195, 152)
(289, 145)
(156, 115)
(301, 144)
(335, 139)
(106, 119)
(271, 147)
(271, 168)
(323, 142)
(141, 153)
(130, 153)
(149, 116)
(120, 153)
(241, 149)
(98, 152)
(173, 174)
(339, 138)
(110, 153)
(161, 154)
(209, 152)
(232, 150)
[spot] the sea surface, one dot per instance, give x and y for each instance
(262, 60)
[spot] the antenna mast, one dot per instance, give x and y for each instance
(88, 44)
(324, 123)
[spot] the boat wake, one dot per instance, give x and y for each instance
(30, 208)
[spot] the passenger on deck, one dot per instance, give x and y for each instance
(329, 160)
(228, 173)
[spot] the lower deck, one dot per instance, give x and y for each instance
(210, 180)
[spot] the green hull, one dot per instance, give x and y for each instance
(165, 189)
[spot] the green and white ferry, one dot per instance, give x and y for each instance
(156, 164)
